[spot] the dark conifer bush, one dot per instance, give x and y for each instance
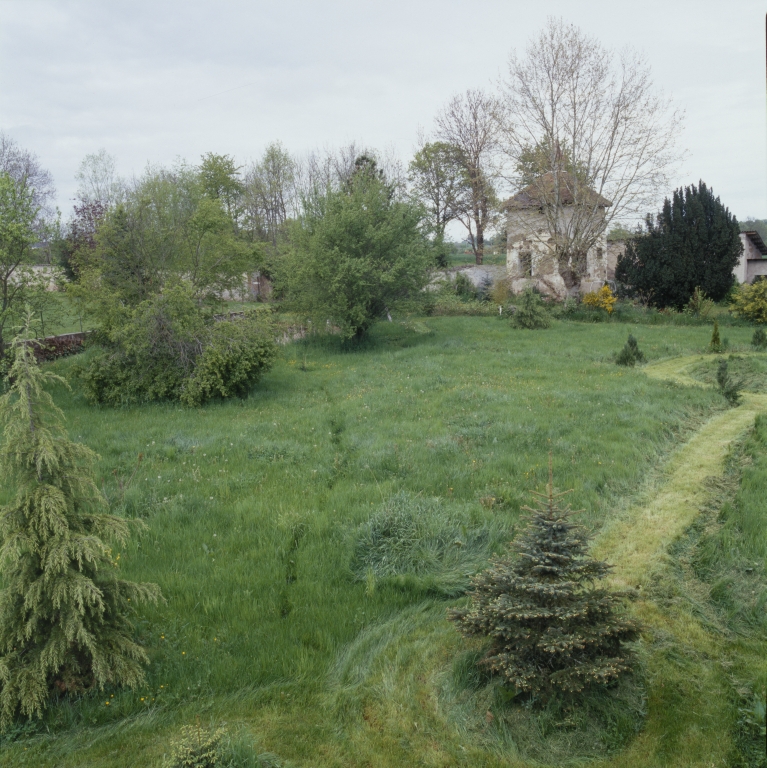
(694, 242)
(551, 629)
(630, 354)
(759, 339)
(728, 386)
(64, 614)
(530, 311)
(715, 345)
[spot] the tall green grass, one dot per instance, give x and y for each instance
(254, 509)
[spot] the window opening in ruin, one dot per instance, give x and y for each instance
(526, 262)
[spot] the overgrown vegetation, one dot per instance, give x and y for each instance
(729, 387)
(65, 617)
(422, 544)
(166, 348)
(282, 623)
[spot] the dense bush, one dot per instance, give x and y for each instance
(551, 630)
(530, 311)
(750, 301)
(167, 348)
(759, 339)
(694, 242)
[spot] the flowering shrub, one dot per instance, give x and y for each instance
(750, 301)
(604, 298)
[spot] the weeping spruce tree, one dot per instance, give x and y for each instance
(551, 628)
(64, 614)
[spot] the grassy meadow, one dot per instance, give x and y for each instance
(258, 513)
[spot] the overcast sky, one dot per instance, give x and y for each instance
(153, 81)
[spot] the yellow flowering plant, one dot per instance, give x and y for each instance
(604, 298)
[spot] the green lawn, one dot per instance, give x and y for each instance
(254, 509)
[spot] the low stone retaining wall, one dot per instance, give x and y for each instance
(54, 347)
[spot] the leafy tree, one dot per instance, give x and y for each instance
(358, 252)
(173, 226)
(64, 614)
(220, 180)
(18, 235)
(550, 628)
(438, 181)
(693, 243)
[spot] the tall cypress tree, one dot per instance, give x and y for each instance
(551, 628)
(692, 243)
(64, 614)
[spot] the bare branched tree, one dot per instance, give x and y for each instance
(24, 168)
(587, 133)
(468, 123)
(98, 180)
(270, 192)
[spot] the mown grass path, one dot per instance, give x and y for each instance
(636, 542)
(689, 721)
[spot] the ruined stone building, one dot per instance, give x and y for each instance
(530, 254)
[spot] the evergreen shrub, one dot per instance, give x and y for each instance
(630, 354)
(65, 616)
(759, 339)
(693, 242)
(464, 287)
(729, 387)
(530, 312)
(715, 345)
(551, 629)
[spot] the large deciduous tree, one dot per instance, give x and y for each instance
(583, 126)
(693, 243)
(358, 251)
(438, 181)
(468, 123)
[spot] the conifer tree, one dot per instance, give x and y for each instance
(715, 345)
(530, 311)
(64, 614)
(551, 629)
(694, 242)
(630, 354)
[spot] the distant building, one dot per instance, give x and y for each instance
(530, 256)
(753, 262)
